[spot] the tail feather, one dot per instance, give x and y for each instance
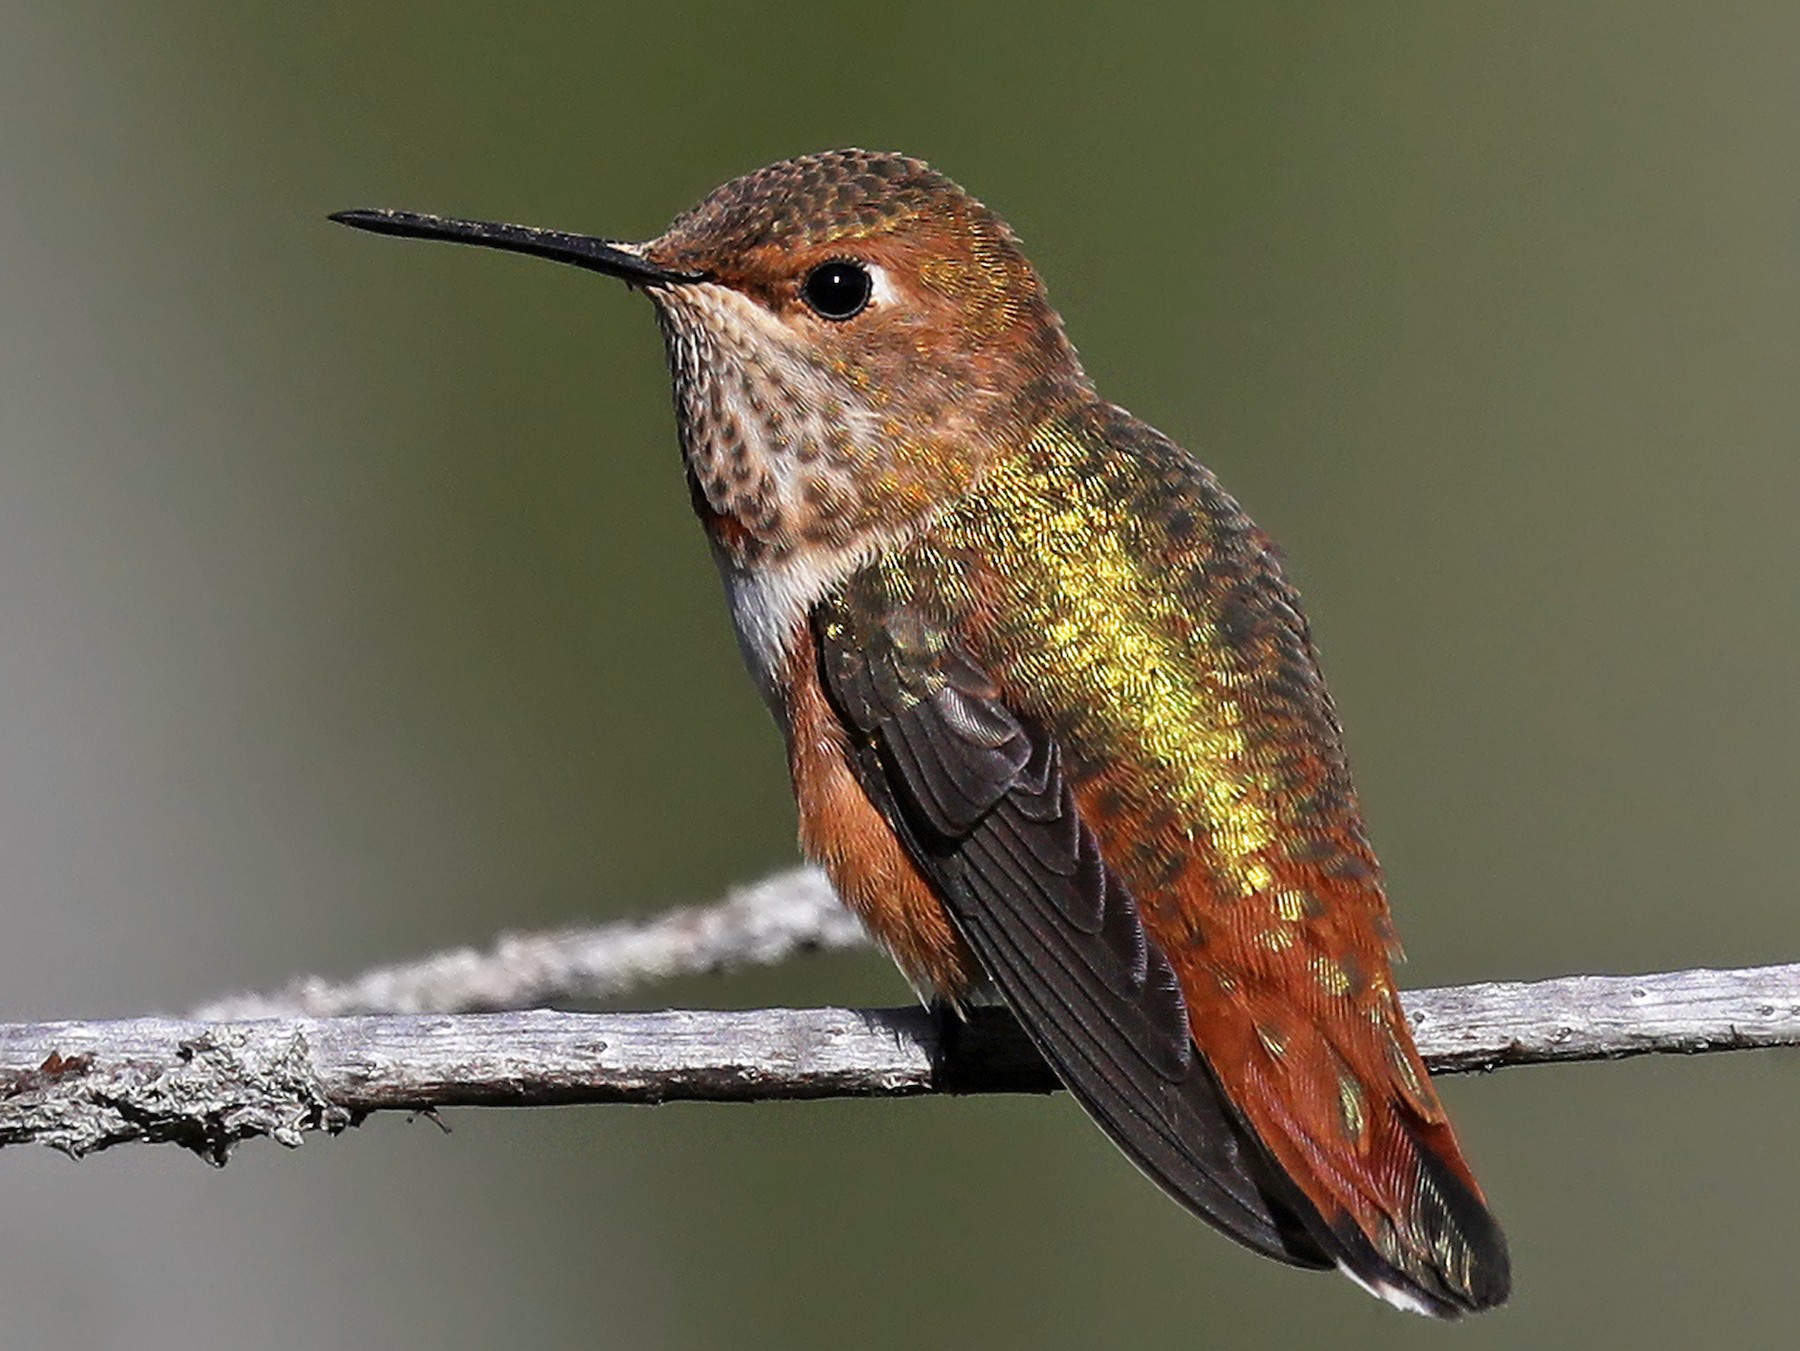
(1447, 1257)
(1392, 1201)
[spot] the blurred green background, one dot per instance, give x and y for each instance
(350, 607)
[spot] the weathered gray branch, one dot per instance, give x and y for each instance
(757, 925)
(81, 1087)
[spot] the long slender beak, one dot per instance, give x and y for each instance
(608, 256)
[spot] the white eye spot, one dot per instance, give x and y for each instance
(882, 290)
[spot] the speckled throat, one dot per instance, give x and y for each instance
(779, 458)
(792, 448)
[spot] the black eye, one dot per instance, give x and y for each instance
(838, 289)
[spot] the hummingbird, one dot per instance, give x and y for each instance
(1054, 717)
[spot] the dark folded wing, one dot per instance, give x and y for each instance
(977, 795)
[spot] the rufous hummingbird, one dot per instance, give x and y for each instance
(1054, 718)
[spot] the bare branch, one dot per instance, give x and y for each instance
(80, 1087)
(758, 925)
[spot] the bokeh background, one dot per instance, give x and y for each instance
(350, 608)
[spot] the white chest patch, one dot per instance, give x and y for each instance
(771, 601)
